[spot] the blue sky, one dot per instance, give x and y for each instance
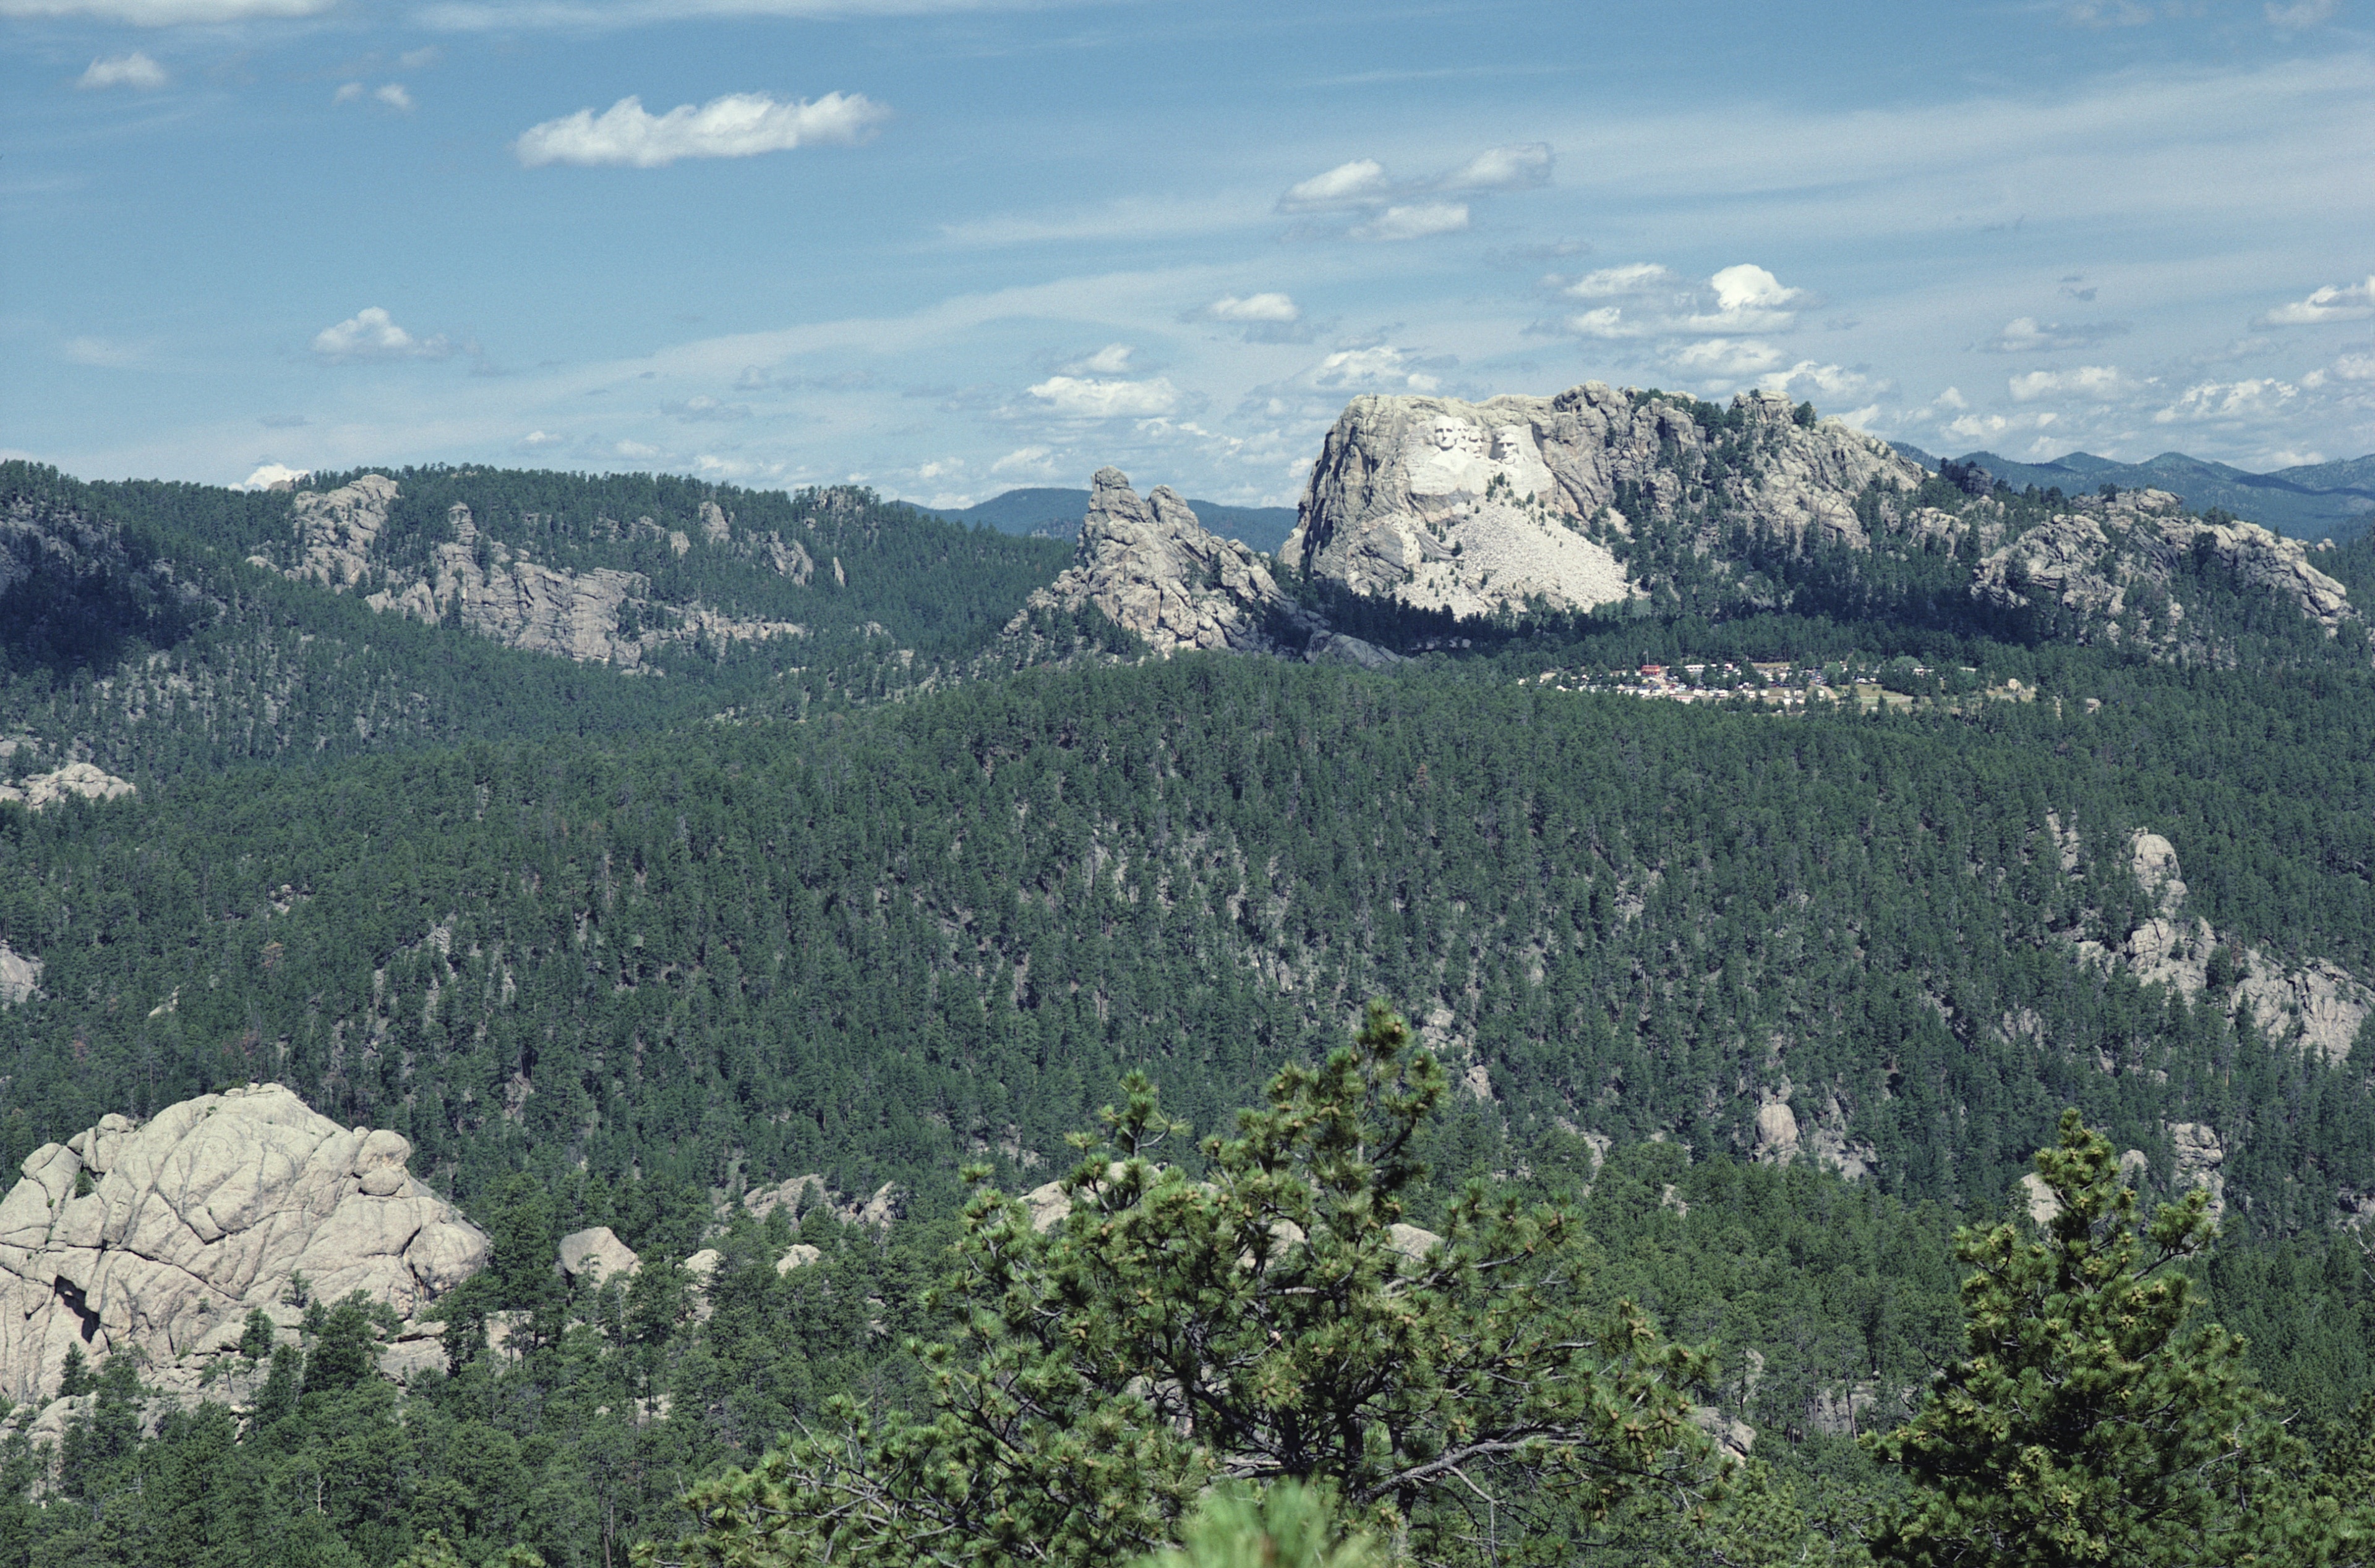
(948, 247)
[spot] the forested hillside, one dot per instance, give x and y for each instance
(1772, 996)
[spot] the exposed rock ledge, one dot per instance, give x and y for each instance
(75, 781)
(162, 1236)
(1151, 568)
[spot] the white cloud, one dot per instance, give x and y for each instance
(1807, 379)
(705, 409)
(1519, 167)
(2349, 301)
(347, 93)
(1951, 398)
(1746, 288)
(1110, 360)
(1614, 282)
(394, 96)
(1415, 221)
(536, 441)
(1357, 183)
(2301, 15)
(270, 474)
(164, 13)
(1994, 426)
(1256, 308)
(2286, 458)
(1608, 323)
(477, 16)
(636, 449)
(2257, 398)
(371, 334)
(2354, 367)
(2098, 383)
(737, 125)
(101, 353)
(133, 70)
(1087, 398)
(1030, 459)
(2026, 335)
(1730, 359)
(1383, 365)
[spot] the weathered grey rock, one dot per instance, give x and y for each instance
(20, 976)
(596, 1251)
(2199, 1155)
(1478, 507)
(2043, 1206)
(1734, 1437)
(161, 1236)
(2104, 553)
(75, 781)
(799, 1254)
(1153, 568)
(799, 1195)
(1777, 1133)
(335, 530)
(2318, 1005)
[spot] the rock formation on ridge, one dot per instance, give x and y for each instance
(162, 1236)
(1153, 569)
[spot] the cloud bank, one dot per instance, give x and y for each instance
(739, 125)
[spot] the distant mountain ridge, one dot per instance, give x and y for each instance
(2309, 500)
(1056, 514)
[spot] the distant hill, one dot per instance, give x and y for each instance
(1057, 513)
(2313, 501)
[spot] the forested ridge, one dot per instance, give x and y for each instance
(610, 950)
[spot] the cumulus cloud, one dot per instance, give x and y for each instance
(739, 125)
(1616, 282)
(2259, 397)
(2098, 383)
(536, 441)
(394, 96)
(1024, 459)
(133, 70)
(1352, 184)
(2351, 367)
(164, 13)
(1381, 365)
(1255, 309)
(1736, 300)
(1110, 360)
(270, 474)
(705, 409)
(1996, 427)
(1089, 398)
(1392, 209)
(371, 334)
(1808, 378)
(2348, 301)
(1727, 359)
(1415, 222)
(1519, 167)
(2026, 335)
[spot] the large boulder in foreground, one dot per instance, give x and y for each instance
(162, 1235)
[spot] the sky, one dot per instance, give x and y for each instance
(946, 248)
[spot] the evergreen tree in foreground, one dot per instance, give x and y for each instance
(1276, 1321)
(2090, 1425)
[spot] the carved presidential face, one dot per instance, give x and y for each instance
(1510, 443)
(1456, 436)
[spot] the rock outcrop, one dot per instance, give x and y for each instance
(160, 1237)
(601, 614)
(76, 781)
(20, 976)
(2110, 560)
(1149, 567)
(598, 1253)
(1478, 507)
(2317, 1005)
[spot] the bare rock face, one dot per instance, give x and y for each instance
(2115, 558)
(160, 1237)
(500, 593)
(1777, 1133)
(2199, 1155)
(2317, 1006)
(1153, 568)
(20, 976)
(598, 1252)
(1476, 507)
(76, 781)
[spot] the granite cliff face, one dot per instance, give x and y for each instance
(160, 1237)
(1600, 495)
(600, 614)
(1150, 568)
(1475, 507)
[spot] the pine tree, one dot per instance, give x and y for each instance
(2088, 1425)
